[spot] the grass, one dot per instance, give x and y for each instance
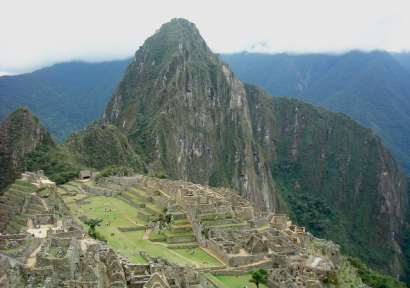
(134, 198)
(53, 251)
(347, 278)
(200, 257)
(232, 281)
(16, 248)
(123, 216)
(263, 227)
(155, 236)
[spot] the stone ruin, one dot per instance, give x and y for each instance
(38, 179)
(161, 271)
(228, 225)
(240, 236)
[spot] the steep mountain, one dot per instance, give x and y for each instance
(373, 88)
(98, 146)
(66, 96)
(20, 134)
(187, 114)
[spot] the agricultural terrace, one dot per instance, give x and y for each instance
(129, 243)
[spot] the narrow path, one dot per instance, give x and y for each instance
(146, 234)
(123, 213)
(31, 260)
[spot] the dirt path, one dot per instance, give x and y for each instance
(31, 260)
(122, 212)
(146, 234)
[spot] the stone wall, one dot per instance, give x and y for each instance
(22, 254)
(66, 266)
(44, 219)
(126, 229)
(180, 239)
(99, 191)
(78, 234)
(41, 274)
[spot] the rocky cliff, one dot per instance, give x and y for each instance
(20, 133)
(184, 111)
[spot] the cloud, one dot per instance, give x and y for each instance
(39, 33)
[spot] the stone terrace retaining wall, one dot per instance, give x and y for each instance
(99, 191)
(126, 229)
(22, 254)
(180, 239)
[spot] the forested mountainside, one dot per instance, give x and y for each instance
(20, 134)
(57, 93)
(66, 96)
(180, 110)
(373, 88)
(186, 114)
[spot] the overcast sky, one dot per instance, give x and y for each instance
(39, 33)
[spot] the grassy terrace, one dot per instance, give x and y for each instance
(232, 281)
(263, 227)
(134, 197)
(131, 242)
(24, 186)
(16, 248)
(142, 192)
(181, 221)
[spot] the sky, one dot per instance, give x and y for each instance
(39, 33)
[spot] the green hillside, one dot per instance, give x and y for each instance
(372, 88)
(65, 97)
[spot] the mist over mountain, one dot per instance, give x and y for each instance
(186, 114)
(403, 59)
(373, 88)
(66, 96)
(180, 110)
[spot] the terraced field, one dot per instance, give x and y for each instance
(120, 212)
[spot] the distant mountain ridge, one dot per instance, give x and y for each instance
(66, 96)
(180, 110)
(186, 114)
(373, 88)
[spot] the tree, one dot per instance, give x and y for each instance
(92, 223)
(259, 276)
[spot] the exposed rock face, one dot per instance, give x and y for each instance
(185, 113)
(183, 108)
(20, 133)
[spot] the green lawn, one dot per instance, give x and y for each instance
(200, 257)
(134, 198)
(130, 243)
(233, 282)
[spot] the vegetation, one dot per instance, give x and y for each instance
(373, 88)
(92, 223)
(66, 96)
(20, 133)
(372, 278)
(259, 276)
(331, 278)
(56, 163)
